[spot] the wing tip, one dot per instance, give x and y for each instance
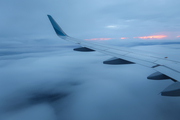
(56, 27)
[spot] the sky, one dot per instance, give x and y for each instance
(91, 19)
(41, 77)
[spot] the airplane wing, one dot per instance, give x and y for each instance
(166, 68)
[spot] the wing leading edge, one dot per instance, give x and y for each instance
(166, 69)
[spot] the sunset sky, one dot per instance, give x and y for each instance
(42, 78)
(141, 19)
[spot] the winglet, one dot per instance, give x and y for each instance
(56, 27)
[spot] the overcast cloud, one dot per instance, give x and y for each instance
(87, 19)
(41, 77)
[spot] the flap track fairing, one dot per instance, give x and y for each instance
(117, 61)
(83, 49)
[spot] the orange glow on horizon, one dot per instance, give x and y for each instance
(99, 39)
(123, 38)
(152, 37)
(141, 37)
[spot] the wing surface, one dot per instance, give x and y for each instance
(166, 68)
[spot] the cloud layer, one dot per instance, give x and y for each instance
(64, 84)
(42, 78)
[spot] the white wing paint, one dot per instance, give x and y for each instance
(166, 69)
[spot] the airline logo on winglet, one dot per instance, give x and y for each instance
(56, 27)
